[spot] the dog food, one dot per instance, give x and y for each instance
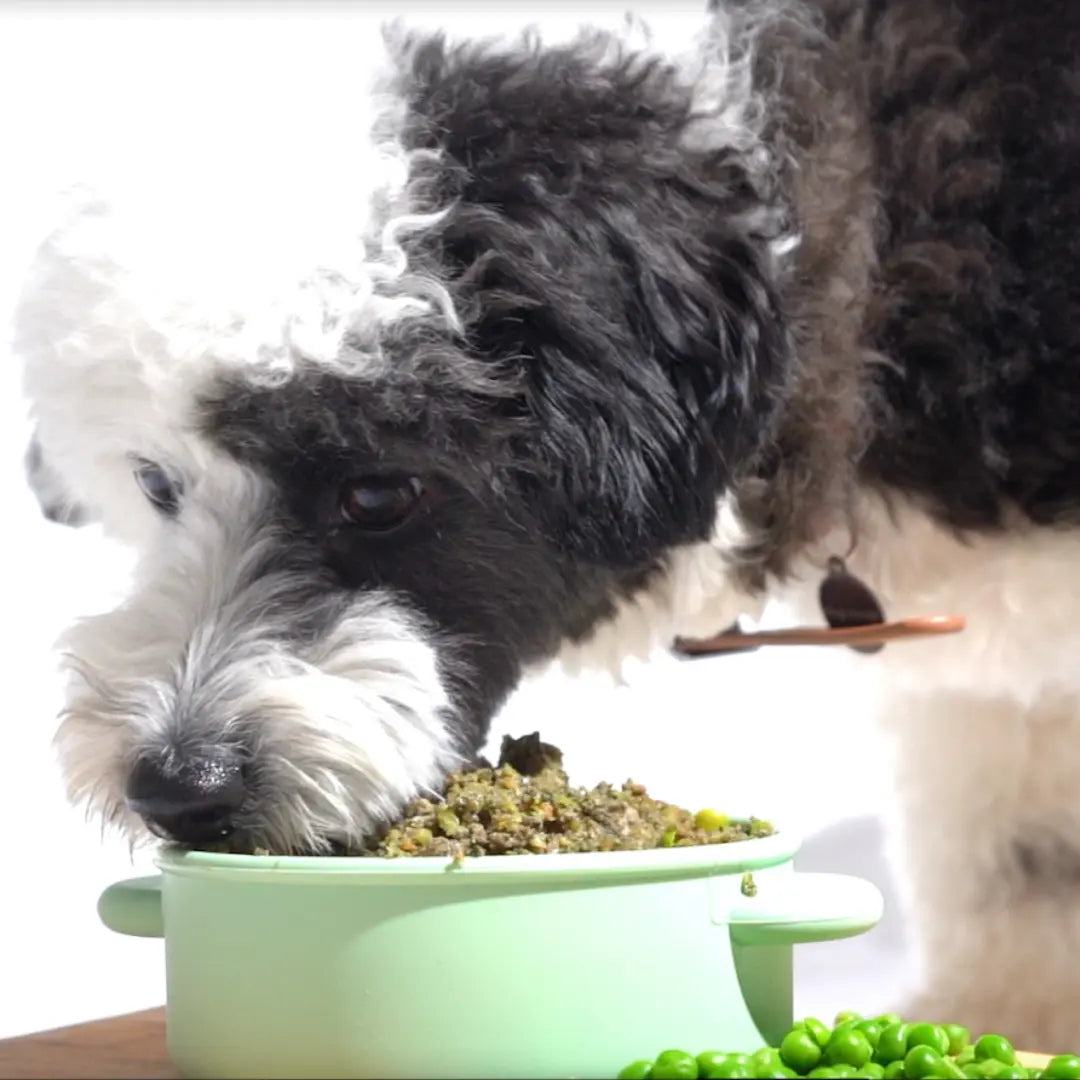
(525, 805)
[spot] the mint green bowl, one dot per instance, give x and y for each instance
(509, 966)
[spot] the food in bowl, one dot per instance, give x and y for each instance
(526, 805)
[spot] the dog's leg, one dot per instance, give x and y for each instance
(989, 835)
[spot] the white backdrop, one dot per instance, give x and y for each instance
(786, 734)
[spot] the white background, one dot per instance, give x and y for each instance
(786, 734)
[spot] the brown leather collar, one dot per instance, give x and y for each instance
(855, 618)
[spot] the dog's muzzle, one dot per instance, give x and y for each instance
(192, 801)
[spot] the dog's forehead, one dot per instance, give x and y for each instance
(319, 423)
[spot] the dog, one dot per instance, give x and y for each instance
(606, 341)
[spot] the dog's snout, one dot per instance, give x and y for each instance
(191, 801)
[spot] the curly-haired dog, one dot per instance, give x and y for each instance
(603, 344)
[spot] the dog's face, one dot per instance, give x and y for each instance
(363, 507)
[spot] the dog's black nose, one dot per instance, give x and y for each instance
(190, 800)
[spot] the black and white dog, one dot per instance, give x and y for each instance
(598, 342)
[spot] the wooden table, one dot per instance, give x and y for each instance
(128, 1047)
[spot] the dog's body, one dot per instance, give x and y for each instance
(628, 343)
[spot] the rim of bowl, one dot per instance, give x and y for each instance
(737, 856)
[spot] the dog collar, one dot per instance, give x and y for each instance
(853, 615)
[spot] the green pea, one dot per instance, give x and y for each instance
(674, 1065)
(872, 1029)
(894, 1069)
(765, 1062)
(843, 1070)
(846, 1017)
(959, 1038)
(972, 1070)
(928, 1035)
(871, 1071)
(892, 1044)
(825, 1072)
(990, 1067)
(848, 1047)
(995, 1047)
(950, 1070)
(800, 1051)
(889, 1018)
(817, 1029)
(1011, 1072)
(708, 1058)
(921, 1062)
(637, 1070)
(1062, 1067)
(966, 1056)
(730, 1070)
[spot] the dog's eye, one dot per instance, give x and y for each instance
(156, 484)
(381, 503)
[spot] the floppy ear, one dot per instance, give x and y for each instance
(705, 308)
(620, 277)
(52, 496)
(694, 390)
(645, 327)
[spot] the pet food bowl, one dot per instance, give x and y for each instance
(563, 965)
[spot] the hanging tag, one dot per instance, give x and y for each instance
(854, 617)
(847, 603)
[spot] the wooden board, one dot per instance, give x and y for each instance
(128, 1047)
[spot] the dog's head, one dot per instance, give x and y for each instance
(495, 417)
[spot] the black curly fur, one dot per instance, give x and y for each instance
(978, 145)
(607, 268)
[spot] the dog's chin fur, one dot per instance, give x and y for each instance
(661, 324)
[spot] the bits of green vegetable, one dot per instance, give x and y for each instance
(846, 1046)
(882, 1048)
(1062, 1067)
(674, 1065)
(995, 1046)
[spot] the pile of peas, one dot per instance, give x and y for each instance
(882, 1047)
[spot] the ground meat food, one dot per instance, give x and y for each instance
(525, 805)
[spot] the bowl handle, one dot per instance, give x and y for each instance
(133, 907)
(797, 908)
